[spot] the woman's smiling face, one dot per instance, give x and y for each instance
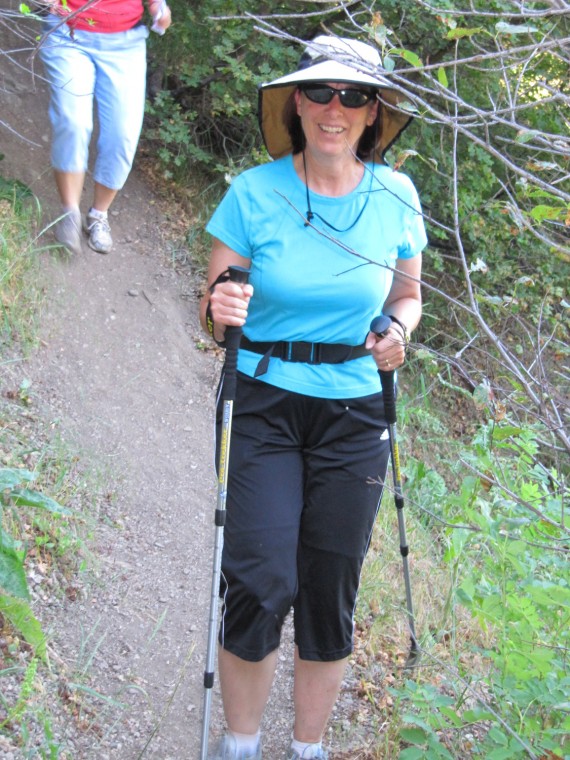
(331, 128)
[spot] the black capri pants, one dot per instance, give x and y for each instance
(305, 480)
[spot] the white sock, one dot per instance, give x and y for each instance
(246, 743)
(97, 214)
(304, 750)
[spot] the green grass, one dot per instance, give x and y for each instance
(20, 291)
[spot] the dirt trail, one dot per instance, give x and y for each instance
(120, 377)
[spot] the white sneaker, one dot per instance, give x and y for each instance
(226, 750)
(68, 231)
(321, 755)
(98, 234)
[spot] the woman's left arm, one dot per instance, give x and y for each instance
(404, 303)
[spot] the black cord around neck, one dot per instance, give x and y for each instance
(310, 215)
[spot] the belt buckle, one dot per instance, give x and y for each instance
(303, 352)
(314, 356)
(315, 353)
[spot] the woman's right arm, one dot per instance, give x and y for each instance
(228, 301)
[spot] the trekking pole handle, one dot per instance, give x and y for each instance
(379, 327)
(232, 339)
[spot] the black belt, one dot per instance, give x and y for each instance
(302, 351)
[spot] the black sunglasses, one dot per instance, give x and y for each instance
(349, 97)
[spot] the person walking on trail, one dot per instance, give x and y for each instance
(95, 52)
(310, 446)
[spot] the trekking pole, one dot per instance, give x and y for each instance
(229, 385)
(379, 326)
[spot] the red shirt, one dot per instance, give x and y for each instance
(104, 15)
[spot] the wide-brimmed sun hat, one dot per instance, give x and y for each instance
(331, 59)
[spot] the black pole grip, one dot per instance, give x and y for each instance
(379, 325)
(232, 339)
(232, 335)
(238, 274)
(388, 395)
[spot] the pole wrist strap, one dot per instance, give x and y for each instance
(405, 333)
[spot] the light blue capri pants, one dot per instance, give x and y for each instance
(107, 69)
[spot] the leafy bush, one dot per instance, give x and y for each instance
(505, 543)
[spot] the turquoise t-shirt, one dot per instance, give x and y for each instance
(307, 287)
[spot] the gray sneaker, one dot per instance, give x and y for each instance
(98, 234)
(68, 231)
(226, 750)
(321, 755)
